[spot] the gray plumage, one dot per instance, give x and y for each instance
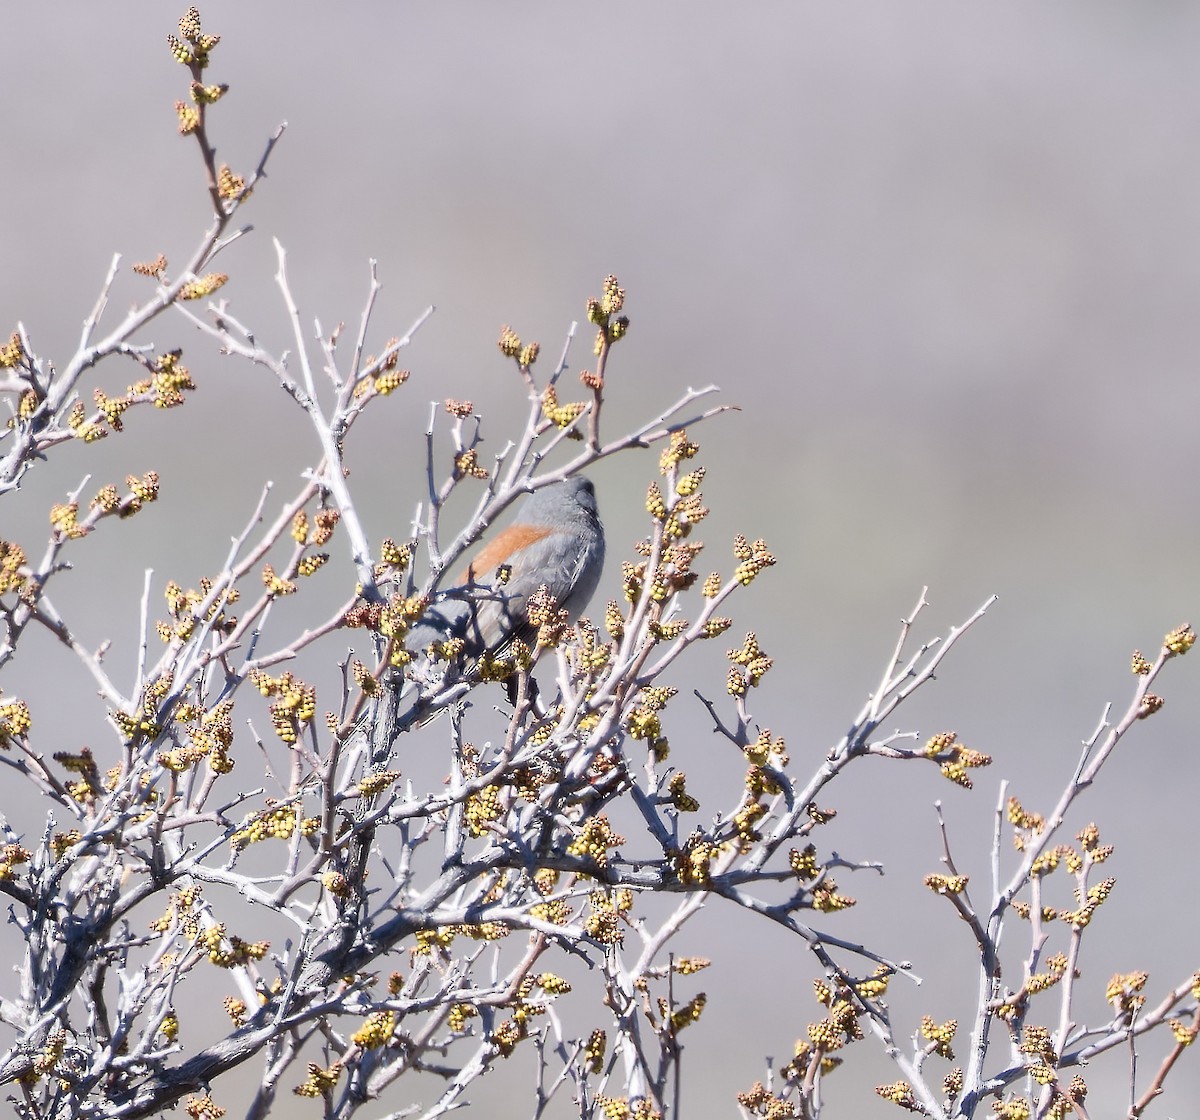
(556, 539)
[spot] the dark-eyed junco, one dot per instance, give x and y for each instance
(556, 541)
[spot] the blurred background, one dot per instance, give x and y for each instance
(945, 259)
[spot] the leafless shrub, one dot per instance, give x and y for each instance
(427, 921)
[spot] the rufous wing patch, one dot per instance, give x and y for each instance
(502, 550)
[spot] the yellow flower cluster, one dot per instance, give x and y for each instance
(325, 521)
(83, 427)
(1056, 965)
(557, 911)
(667, 631)
(759, 1101)
(183, 607)
(276, 584)
(376, 1031)
(552, 984)
(210, 734)
(953, 758)
(278, 822)
(614, 620)
(376, 783)
(64, 519)
(560, 415)
(87, 787)
(11, 857)
(591, 654)
(12, 561)
(459, 1014)
(15, 721)
(875, 986)
(165, 387)
(204, 286)
(594, 839)
(680, 798)
(767, 750)
(63, 842)
(141, 491)
(603, 312)
(753, 559)
(1023, 910)
(745, 820)
(229, 185)
(644, 721)
(1023, 822)
(170, 1026)
(759, 782)
(195, 48)
(482, 809)
(391, 621)
(819, 815)
(483, 931)
(633, 579)
(826, 899)
(181, 904)
(506, 1036)
(620, 1108)
(112, 409)
(296, 706)
(656, 506)
(320, 1081)
(750, 665)
(553, 624)
(203, 1108)
(941, 1035)
(189, 115)
(1181, 639)
(230, 951)
(946, 884)
(1124, 991)
(693, 863)
(678, 518)
(804, 863)
(467, 465)
(12, 352)
(309, 564)
(593, 1052)
(1183, 1034)
(1092, 902)
(393, 559)
(509, 342)
(48, 1059)
(689, 1013)
(1089, 840)
(433, 942)
(1036, 1044)
(900, 1092)
(604, 923)
(1018, 1108)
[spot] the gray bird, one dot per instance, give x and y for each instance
(557, 540)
